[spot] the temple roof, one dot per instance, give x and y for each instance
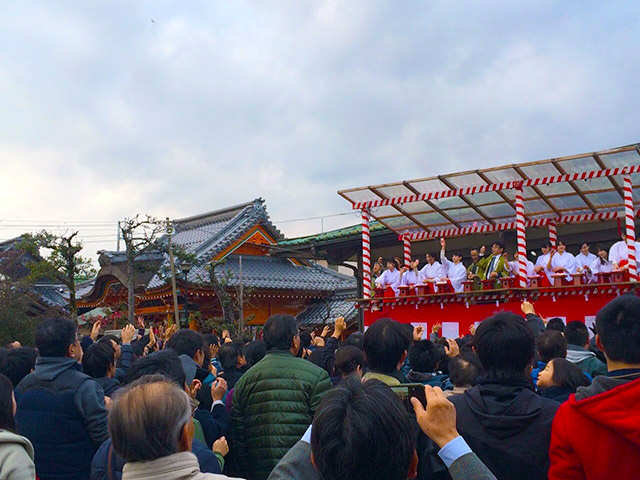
(322, 311)
(209, 235)
(269, 273)
(332, 234)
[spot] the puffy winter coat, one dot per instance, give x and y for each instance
(62, 412)
(273, 404)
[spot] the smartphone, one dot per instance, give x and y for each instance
(406, 391)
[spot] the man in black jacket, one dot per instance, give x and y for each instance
(502, 419)
(60, 409)
(99, 363)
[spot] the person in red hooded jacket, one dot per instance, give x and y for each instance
(596, 433)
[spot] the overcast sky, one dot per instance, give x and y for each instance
(112, 108)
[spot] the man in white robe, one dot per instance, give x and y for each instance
(455, 271)
(390, 277)
(561, 261)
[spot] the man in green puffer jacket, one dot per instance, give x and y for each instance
(274, 402)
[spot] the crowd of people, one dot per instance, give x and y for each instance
(552, 261)
(516, 398)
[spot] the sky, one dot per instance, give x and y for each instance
(112, 108)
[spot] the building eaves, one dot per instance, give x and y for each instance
(353, 230)
(322, 311)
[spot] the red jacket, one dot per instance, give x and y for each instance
(598, 437)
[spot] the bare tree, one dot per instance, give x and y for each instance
(63, 263)
(140, 235)
(220, 281)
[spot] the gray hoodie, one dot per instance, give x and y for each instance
(16, 457)
(585, 360)
(603, 384)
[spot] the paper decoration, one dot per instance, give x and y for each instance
(450, 329)
(590, 321)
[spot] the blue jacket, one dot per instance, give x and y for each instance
(62, 412)
(109, 385)
(207, 460)
(215, 424)
(126, 359)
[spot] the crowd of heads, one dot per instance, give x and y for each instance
(362, 428)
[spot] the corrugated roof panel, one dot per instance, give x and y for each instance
(499, 210)
(433, 185)
(395, 191)
(573, 202)
(532, 207)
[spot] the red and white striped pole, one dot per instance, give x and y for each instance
(522, 239)
(553, 235)
(407, 252)
(630, 227)
(366, 255)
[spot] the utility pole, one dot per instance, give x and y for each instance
(241, 295)
(119, 234)
(170, 232)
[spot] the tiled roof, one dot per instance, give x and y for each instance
(269, 273)
(119, 257)
(210, 233)
(331, 235)
(52, 295)
(322, 311)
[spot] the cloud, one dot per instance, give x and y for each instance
(107, 114)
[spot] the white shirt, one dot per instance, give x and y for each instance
(410, 278)
(619, 252)
(432, 272)
(566, 261)
(529, 272)
(598, 267)
(456, 273)
(583, 260)
(542, 261)
(389, 279)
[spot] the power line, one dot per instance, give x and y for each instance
(83, 225)
(54, 220)
(315, 218)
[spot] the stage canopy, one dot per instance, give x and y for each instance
(578, 188)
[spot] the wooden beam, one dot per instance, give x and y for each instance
(575, 187)
(537, 190)
(494, 169)
(615, 184)
(499, 192)
(466, 200)
(408, 215)
(432, 205)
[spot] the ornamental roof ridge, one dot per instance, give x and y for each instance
(254, 213)
(223, 214)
